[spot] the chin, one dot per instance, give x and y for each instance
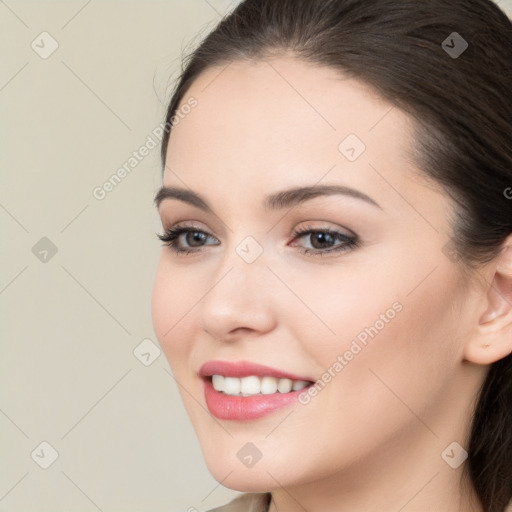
(262, 477)
(245, 481)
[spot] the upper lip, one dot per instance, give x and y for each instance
(245, 369)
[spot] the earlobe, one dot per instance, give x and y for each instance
(493, 334)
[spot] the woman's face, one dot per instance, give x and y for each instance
(373, 323)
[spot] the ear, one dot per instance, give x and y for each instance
(492, 338)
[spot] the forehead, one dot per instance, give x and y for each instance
(285, 105)
(270, 124)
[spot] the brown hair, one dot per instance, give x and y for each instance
(460, 101)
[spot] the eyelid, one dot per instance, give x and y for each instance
(310, 225)
(324, 226)
(192, 224)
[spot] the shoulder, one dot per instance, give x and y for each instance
(247, 502)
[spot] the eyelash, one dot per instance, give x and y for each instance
(170, 238)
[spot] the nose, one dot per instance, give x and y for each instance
(238, 299)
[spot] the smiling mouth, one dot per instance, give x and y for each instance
(254, 385)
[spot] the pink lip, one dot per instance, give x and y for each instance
(245, 369)
(229, 407)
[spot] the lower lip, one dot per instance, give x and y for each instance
(231, 407)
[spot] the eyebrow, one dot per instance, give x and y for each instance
(276, 201)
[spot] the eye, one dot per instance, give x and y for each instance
(323, 240)
(193, 236)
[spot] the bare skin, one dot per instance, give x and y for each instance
(373, 437)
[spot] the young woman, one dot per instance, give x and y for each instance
(334, 294)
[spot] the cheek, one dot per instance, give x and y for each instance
(170, 311)
(394, 358)
(341, 307)
(392, 342)
(160, 303)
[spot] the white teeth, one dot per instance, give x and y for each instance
(231, 385)
(284, 386)
(253, 385)
(249, 385)
(299, 384)
(217, 381)
(268, 385)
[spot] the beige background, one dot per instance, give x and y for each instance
(70, 321)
